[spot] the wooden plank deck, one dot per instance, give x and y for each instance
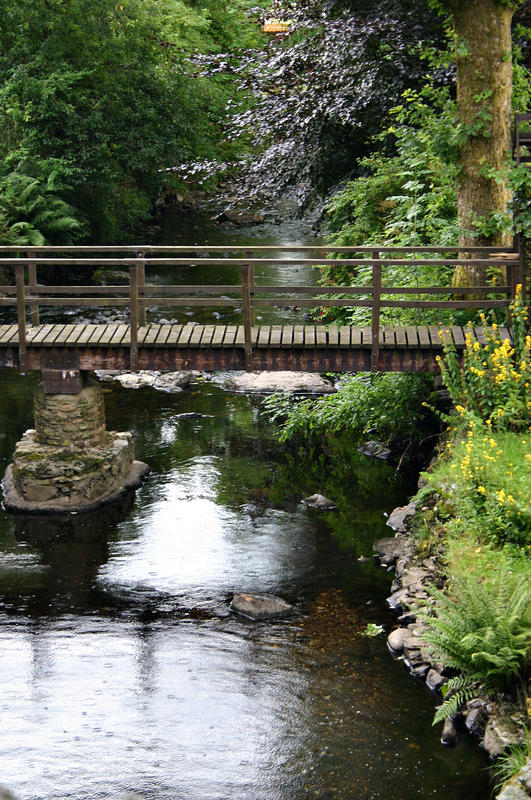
(196, 346)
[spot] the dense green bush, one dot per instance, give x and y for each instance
(103, 96)
(493, 382)
(32, 213)
(386, 403)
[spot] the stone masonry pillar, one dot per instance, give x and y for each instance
(70, 462)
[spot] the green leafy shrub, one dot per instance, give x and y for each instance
(490, 476)
(389, 404)
(493, 383)
(407, 197)
(481, 628)
(33, 213)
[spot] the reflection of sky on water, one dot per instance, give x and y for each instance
(120, 672)
(190, 543)
(189, 712)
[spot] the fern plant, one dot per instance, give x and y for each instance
(33, 213)
(481, 628)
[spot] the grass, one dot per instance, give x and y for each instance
(477, 505)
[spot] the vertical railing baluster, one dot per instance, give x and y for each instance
(133, 295)
(141, 273)
(32, 285)
(522, 268)
(21, 316)
(376, 301)
(247, 323)
(250, 256)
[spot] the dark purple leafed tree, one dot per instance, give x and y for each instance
(311, 99)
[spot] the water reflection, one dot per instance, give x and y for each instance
(122, 670)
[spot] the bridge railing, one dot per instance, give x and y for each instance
(29, 293)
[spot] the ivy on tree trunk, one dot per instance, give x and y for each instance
(482, 30)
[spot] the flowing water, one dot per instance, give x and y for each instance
(122, 669)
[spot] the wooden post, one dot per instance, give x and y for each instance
(247, 324)
(523, 276)
(32, 285)
(133, 294)
(141, 273)
(21, 316)
(250, 256)
(376, 300)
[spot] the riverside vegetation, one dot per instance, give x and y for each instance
(474, 505)
(476, 501)
(97, 99)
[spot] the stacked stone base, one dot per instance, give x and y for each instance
(70, 462)
(43, 478)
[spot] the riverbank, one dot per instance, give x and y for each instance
(460, 556)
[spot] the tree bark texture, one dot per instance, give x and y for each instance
(482, 31)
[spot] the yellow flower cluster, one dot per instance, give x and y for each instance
(492, 380)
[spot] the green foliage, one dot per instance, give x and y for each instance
(482, 629)
(519, 180)
(103, 96)
(494, 380)
(407, 198)
(512, 761)
(32, 213)
(387, 403)
(372, 630)
(491, 479)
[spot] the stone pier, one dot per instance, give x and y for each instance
(70, 462)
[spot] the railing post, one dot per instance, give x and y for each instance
(522, 268)
(133, 295)
(247, 323)
(32, 285)
(250, 256)
(376, 300)
(21, 316)
(141, 277)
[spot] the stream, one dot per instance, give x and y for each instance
(122, 668)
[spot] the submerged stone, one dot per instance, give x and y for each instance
(260, 606)
(449, 735)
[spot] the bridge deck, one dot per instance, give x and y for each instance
(210, 347)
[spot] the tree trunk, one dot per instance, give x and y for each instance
(482, 31)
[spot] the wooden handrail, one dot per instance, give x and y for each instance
(21, 317)
(135, 248)
(238, 262)
(247, 321)
(139, 294)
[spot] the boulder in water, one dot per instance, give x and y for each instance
(319, 502)
(269, 382)
(170, 382)
(260, 606)
(375, 449)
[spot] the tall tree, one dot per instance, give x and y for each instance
(483, 53)
(321, 91)
(95, 98)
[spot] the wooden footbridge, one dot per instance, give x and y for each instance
(61, 349)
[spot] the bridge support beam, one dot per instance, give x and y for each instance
(70, 462)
